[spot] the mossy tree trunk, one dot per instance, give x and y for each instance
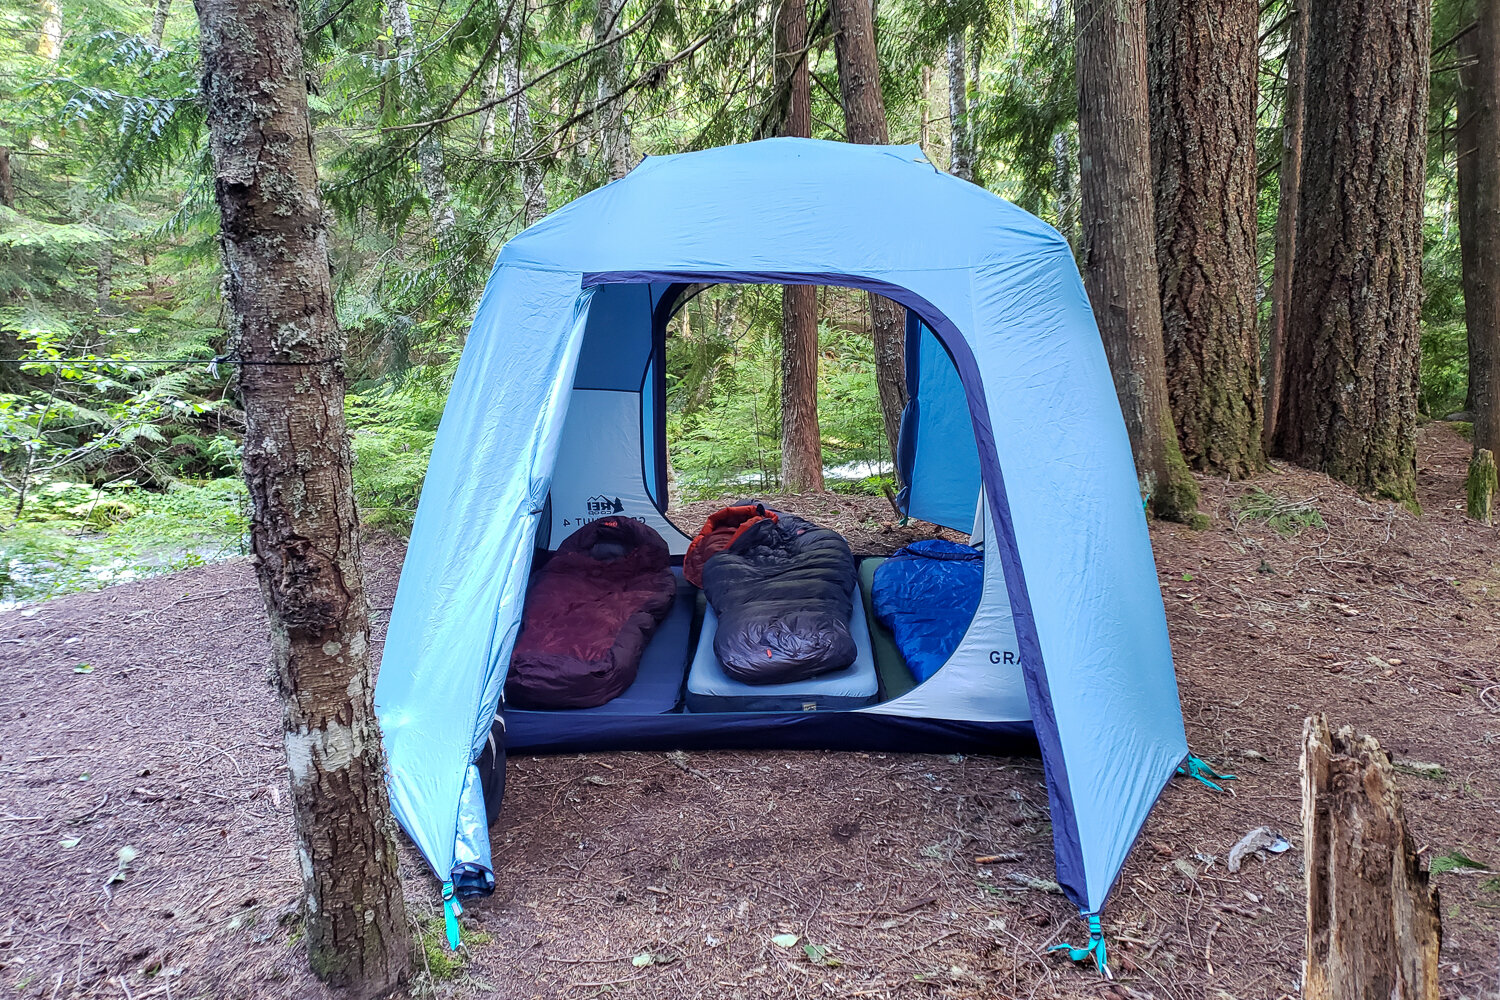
(801, 441)
(304, 527)
(1482, 486)
(1349, 395)
(1479, 214)
(1119, 246)
(1202, 68)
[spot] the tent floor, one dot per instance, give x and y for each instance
(650, 715)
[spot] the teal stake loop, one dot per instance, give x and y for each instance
(1095, 947)
(1197, 767)
(451, 909)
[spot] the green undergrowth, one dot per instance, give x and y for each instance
(392, 432)
(1285, 516)
(1453, 861)
(439, 962)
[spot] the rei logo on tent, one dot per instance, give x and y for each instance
(604, 505)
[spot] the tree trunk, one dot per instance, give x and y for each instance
(1064, 156)
(1372, 919)
(1203, 62)
(1349, 400)
(924, 125)
(1062, 184)
(1119, 256)
(7, 182)
(431, 170)
(523, 135)
(304, 528)
(104, 283)
(1479, 215)
(959, 163)
(614, 129)
(159, 21)
(801, 442)
(49, 40)
(865, 122)
(1286, 215)
(508, 60)
(489, 90)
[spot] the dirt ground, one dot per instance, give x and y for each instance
(145, 839)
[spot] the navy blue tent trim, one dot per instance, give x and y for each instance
(661, 314)
(555, 732)
(906, 438)
(1067, 843)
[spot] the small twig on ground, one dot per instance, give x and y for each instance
(994, 859)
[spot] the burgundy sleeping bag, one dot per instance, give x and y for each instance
(589, 613)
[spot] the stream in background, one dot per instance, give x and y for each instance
(73, 537)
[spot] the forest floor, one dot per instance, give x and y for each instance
(145, 837)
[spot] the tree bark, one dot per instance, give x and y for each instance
(304, 527)
(924, 124)
(1286, 215)
(509, 62)
(1349, 398)
(1203, 62)
(1481, 486)
(1064, 156)
(7, 182)
(1479, 215)
(1119, 256)
(49, 40)
(801, 441)
(614, 129)
(431, 169)
(1372, 919)
(523, 134)
(489, 90)
(960, 163)
(159, 21)
(865, 122)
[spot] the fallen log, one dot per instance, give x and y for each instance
(1372, 919)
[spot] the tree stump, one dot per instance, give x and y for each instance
(1482, 485)
(1372, 920)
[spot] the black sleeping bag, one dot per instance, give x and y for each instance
(783, 593)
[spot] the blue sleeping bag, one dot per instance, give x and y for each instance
(926, 594)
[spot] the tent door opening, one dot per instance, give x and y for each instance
(611, 462)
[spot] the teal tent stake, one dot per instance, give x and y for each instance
(1197, 767)
(1095, 947)
(451, 909)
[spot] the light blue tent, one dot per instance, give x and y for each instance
(556, 416)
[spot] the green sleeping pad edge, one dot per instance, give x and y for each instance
(890, 665)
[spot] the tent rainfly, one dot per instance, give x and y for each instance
(556, 416)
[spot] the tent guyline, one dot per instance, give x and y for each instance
(211, 363)
(556, 424)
